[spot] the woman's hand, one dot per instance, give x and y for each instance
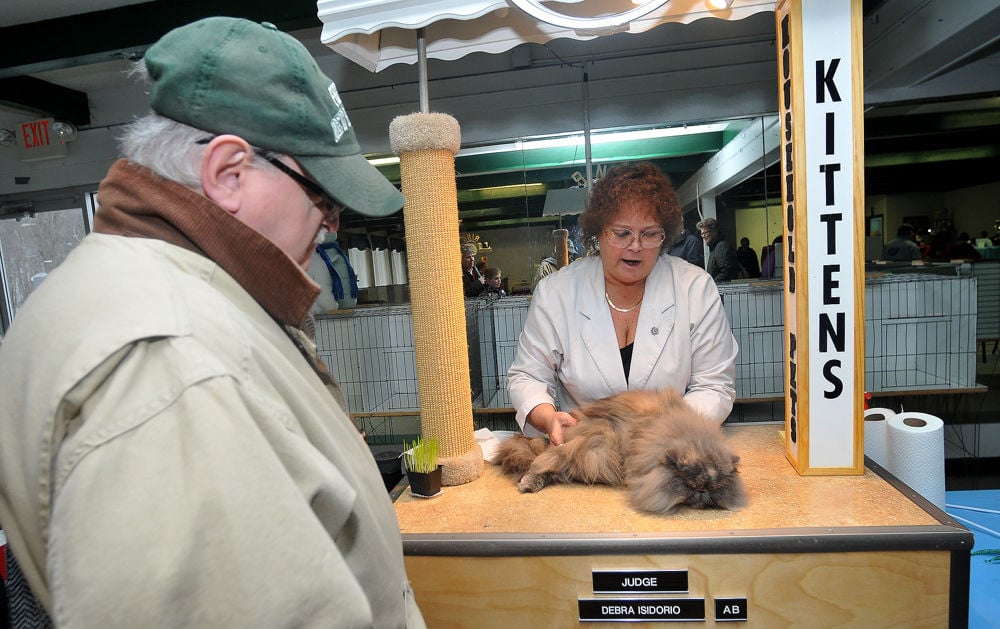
(546, 418)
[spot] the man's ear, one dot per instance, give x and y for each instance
(223, 167)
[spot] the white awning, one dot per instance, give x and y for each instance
(379, 33)
(564, 202)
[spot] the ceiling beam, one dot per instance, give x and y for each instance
(748, 153)
(45, 99)
(126, 32)
(929, 124)
(882, 160)
(907, 43)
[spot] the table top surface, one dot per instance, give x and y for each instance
(779, 498)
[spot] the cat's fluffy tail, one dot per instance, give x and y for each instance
(516, 453)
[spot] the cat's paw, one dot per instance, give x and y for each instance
(531, 483)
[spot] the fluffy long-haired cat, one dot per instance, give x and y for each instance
(652, 442)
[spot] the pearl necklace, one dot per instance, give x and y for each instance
(614, 307)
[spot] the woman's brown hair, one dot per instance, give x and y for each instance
(641, 186)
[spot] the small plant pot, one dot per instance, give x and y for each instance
(390, 467)
(425, 485)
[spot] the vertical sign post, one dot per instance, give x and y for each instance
(822, 167)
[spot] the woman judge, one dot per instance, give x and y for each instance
(629, 317)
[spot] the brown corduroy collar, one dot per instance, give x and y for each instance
(133, 201)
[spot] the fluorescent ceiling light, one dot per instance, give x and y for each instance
(718, 5)
(575, 139)
(383, 161)
(503, 192)
(506, 147)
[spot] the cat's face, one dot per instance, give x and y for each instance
(707, 478)
(687, 476)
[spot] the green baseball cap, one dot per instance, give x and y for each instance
(233, 76)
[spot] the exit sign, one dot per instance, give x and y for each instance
(38, 140)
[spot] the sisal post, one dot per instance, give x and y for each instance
(426, 144)
(561, 238)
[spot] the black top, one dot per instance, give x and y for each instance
(471, 285)
(748, 258)
(627, 358)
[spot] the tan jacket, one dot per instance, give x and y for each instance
(170, 459)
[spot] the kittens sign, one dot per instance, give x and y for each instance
(652, 442)
(822, 192)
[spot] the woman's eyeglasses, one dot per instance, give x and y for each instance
(623, 238)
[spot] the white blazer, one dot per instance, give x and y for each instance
(567, 354)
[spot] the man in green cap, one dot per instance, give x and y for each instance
(172, 455)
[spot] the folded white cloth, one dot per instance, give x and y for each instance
(489, 441)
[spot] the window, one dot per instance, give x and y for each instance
(31, 246)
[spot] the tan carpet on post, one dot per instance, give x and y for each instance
(426, 144)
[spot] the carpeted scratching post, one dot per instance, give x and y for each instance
(561, 238)
(426, 144)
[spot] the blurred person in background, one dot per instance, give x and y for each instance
(722, 263)
(472, 279)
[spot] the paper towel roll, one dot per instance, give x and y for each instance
(916, 454)
(876, 435)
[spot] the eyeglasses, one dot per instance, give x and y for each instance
(623, 238)
(317, 195)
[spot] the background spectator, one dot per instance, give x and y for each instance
(689, 247)
(722, 263)
(747, 257)
(472, 280)
(903, 247)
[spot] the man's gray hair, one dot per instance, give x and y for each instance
(167, 147)
(171, 149)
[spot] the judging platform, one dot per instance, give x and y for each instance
(860, 551)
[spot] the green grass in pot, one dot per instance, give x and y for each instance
(422, 455)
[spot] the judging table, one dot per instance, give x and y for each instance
(862, 551)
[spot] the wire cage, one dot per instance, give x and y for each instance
(920, 335)
(987, 275)
(370, 352)
(500, 322)
(920, 332)
(756, 317)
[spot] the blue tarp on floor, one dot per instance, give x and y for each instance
(973, 510)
